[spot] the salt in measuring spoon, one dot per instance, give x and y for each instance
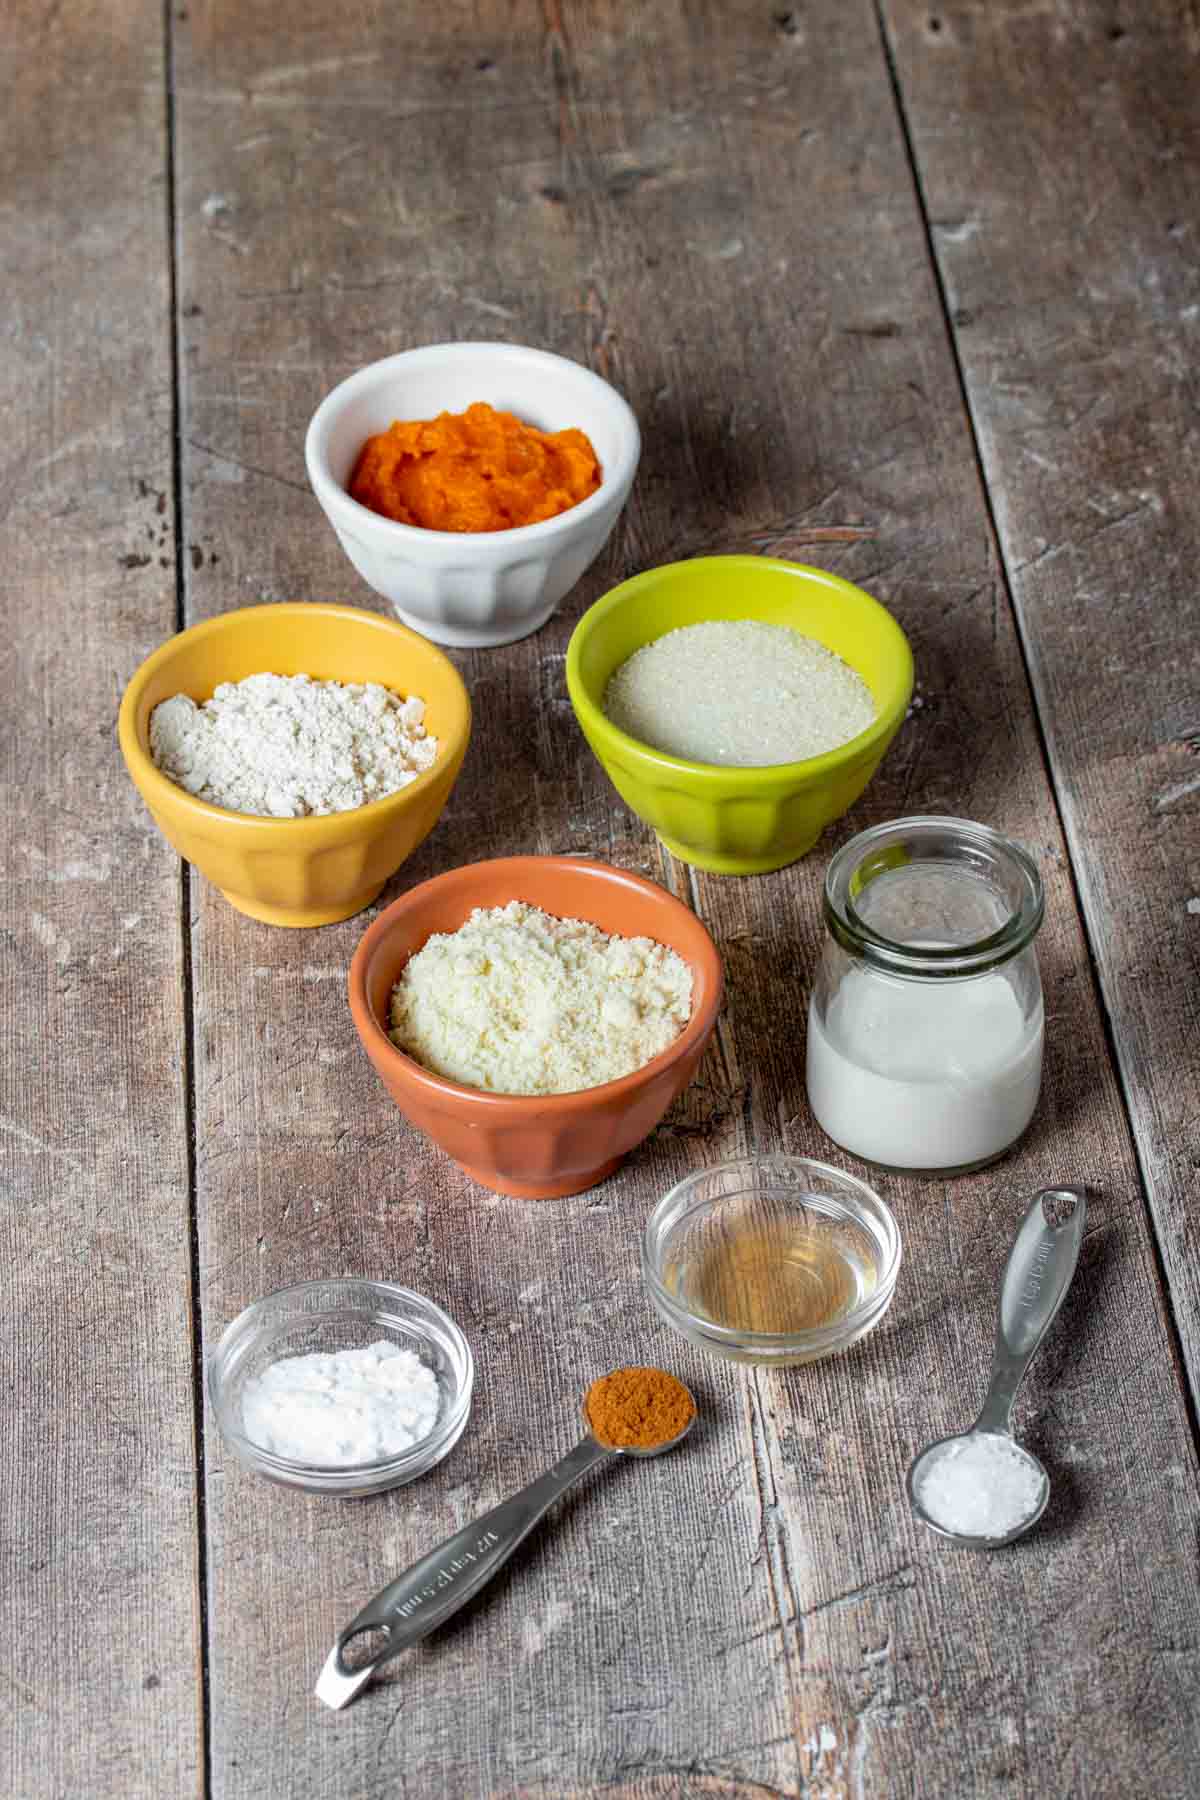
(444, 1580)
(1036, 1277)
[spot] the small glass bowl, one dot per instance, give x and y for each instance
(341, 1314)
(771, 1259)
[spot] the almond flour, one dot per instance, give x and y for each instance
(519, 1002)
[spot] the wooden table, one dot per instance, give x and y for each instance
(909, 291)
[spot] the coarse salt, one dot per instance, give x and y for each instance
(980, 1485)
(284, 746)
(341, 1408)
(740, 693)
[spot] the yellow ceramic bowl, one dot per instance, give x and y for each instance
(738, 821)
(314, 870)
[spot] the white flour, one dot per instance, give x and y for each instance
(286, 745)
(342, 1408)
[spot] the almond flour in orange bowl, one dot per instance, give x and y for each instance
(540, 1145)
(476, 577)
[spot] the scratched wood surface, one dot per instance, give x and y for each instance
(98, 1542)
(715, 206)
(1079, 362)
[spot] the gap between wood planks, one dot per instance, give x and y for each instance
(1190, 1399)
(174, 332)
(671, 875)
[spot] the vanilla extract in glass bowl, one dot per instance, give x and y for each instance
(772, 1259)
(786, 1274)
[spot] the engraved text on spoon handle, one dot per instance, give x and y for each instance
(433, 1589)
(1035, 1281)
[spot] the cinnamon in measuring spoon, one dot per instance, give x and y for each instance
(638, 1409)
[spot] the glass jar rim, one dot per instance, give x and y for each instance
(883, 847)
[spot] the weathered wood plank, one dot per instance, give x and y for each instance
(98, 1592)
(760, 1616)
(1069, 256)
(903, 1711)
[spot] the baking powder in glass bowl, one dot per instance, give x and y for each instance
(342, 1407)
(349, 1327)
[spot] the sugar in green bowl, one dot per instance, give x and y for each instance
(729, 820)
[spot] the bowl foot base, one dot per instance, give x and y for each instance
(301, 917)
(464, 637)
(717, 864)
(542, 1190)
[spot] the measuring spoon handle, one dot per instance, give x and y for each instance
(1035, 1282)
(434, 1589)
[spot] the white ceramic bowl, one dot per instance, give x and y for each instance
(472, 588)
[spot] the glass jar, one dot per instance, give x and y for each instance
(925, 1025)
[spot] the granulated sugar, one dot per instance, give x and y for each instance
(980, 1485)
(285, 746)
(738, 692)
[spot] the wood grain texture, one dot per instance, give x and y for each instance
(712, 205)
(99, 1558)
(1070, 260)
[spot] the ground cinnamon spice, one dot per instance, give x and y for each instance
(638, 1409)
(480, 470)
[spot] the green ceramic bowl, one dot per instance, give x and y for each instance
(738, 821)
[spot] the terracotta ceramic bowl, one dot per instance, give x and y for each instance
(537, 1147)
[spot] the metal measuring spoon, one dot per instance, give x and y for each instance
(1035, 1281)
(435, 1588)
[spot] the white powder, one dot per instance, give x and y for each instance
(738, 692)
(286, 745)
(981, 1485)
(338, 1409)
(519, 1002)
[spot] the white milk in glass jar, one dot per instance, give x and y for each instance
(926, 1022)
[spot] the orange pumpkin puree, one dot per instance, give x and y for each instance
(481, 470)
